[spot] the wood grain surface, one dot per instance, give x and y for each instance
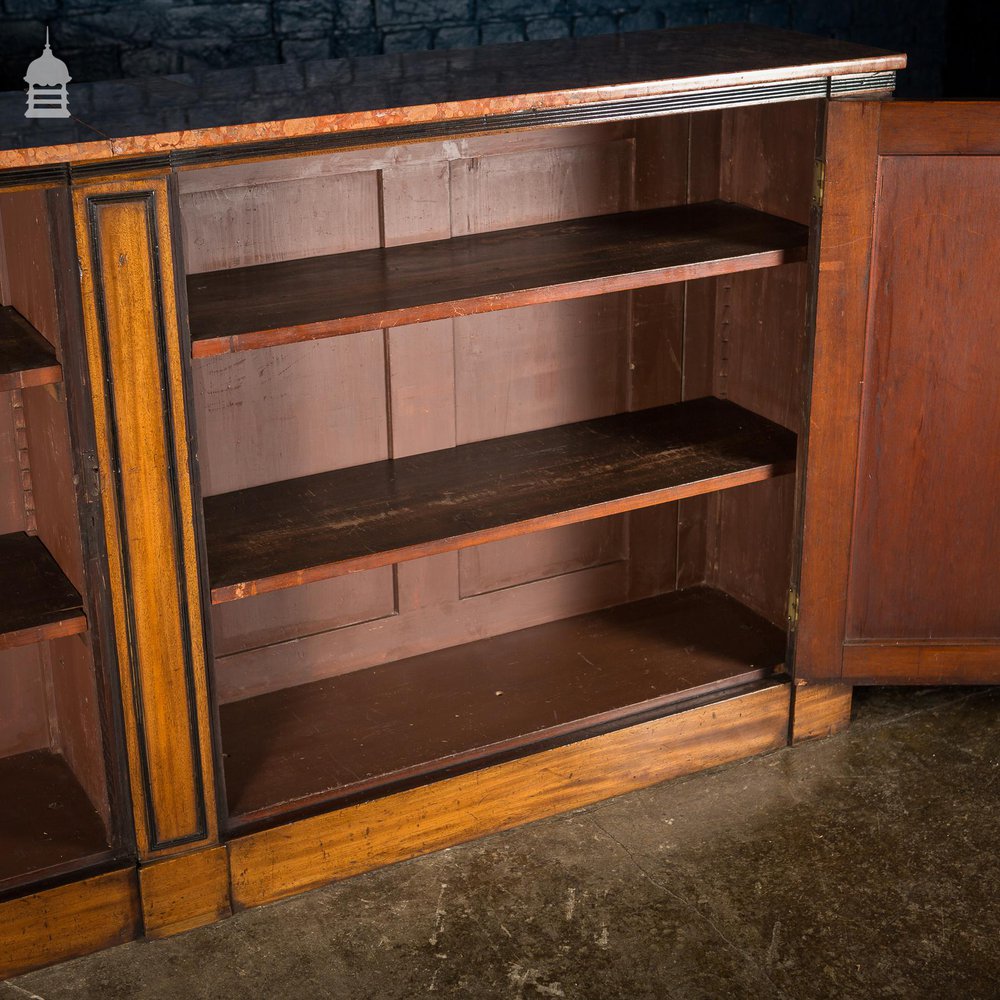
(289, 533)
(179, 894)
(288, 859)
(936, 128)
(820, 710)
(252, 307)
(915, 662)
(78, 719)
(24, 695)
(851, 152)
(463, 706)
(926, 543)
(71, 920)
(26, 259)
(56, 479)
(130, 319)
(12, 517)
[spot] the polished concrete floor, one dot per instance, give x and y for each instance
(866, 865)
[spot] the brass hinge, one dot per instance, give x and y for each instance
(819, 182)
(793, 607)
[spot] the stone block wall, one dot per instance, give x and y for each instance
(112, 39)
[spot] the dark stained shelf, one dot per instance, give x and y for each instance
(267, 304)
(301, 530)
(26, 357)
(49, 825)
(36, 600)
(464, 707)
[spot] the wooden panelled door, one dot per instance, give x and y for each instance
(902, 518)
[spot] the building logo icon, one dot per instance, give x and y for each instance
(48, 91)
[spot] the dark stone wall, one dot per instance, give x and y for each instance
(111, 39)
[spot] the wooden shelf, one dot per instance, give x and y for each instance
(268, 304)
(26, 357)
(49, 824)
(316, 527)
(374, 730)
(36, 600)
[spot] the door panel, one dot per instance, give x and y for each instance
(926, 547)
(920, 601)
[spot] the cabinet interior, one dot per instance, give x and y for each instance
(488, 462)
(54, 771)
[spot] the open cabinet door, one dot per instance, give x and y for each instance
(901, 544)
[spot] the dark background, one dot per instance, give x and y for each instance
(952, 43)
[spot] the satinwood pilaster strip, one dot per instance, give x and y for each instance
(131, 325)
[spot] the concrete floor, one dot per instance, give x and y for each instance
(866, 865)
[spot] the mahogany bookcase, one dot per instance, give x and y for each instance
(422, 445)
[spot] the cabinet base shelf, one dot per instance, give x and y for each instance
(279, 862)
(368, 733)
(53, 828)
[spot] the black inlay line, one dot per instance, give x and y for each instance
(51, 175)
(639, 107)
(148, 201)
(163, 366)
(99, 168)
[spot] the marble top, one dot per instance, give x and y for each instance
(156, 115)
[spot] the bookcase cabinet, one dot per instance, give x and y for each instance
(468, 437)
(480, 474)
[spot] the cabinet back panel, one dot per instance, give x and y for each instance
(926, 530)
(269, 171)
(768, 153)
(758, 572)
(75, 707)
(524, 558)
(24, 717)
(421, 366)
(269, 415)
(50, 456)
(762, 340)
(541, 366)
(528, 187)
(285, 412)
(303, 611)
(431, 626)
(29, 283)
(760, 366)
(262, 223)
(761, 326)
